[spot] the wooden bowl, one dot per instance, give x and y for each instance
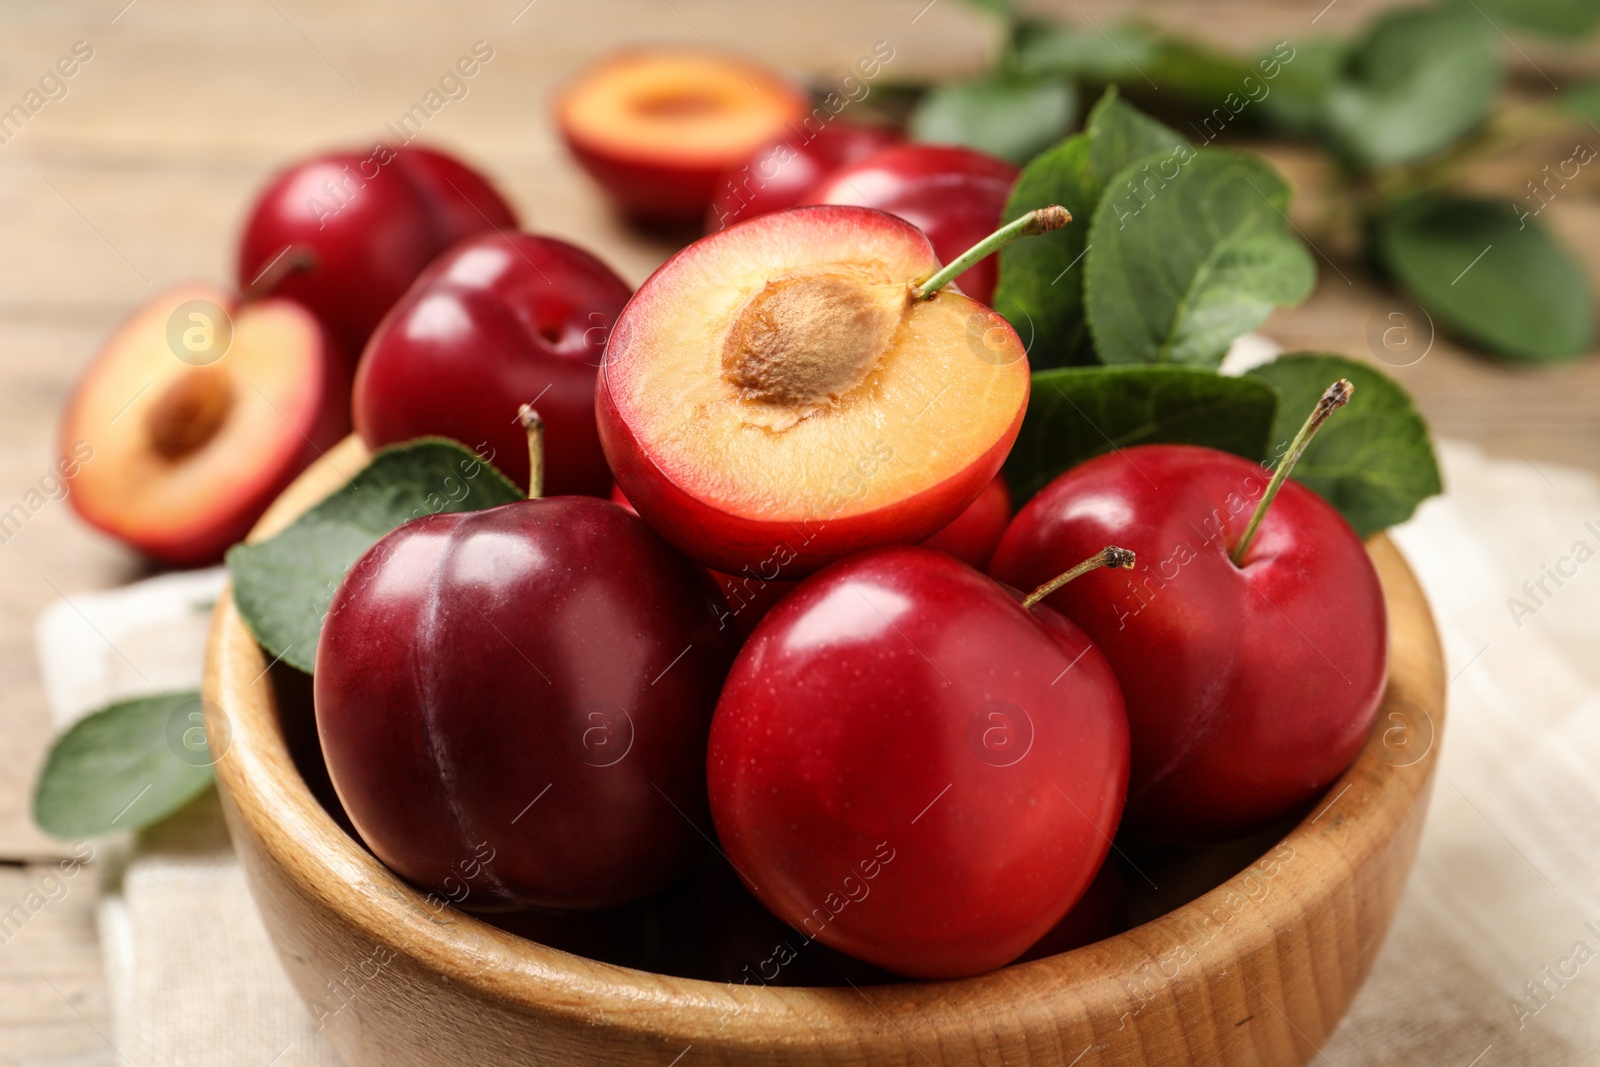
(1256, 971)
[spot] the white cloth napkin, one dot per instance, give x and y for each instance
(1491, 960)
(193, 980)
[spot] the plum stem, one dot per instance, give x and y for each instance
(292, 260)
(1335, 397)
(1041, 220)
(1109, 556)
(533, 425)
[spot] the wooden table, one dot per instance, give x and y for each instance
(138, 176)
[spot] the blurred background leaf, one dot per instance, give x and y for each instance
(1494, 277)
(1010, 116)
(1418, 81)
(1583, 101)
(1553, 18)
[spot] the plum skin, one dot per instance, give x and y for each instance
(1249, 688)
(514, 704)
(908, 766)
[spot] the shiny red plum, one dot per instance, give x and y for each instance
(1249, 687)
(346, 233)
(496, 322)
(514, 704)
(972, 536)
(954, 195)
(910, 767)
(779, 175)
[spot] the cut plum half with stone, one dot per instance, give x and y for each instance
(197, 412)
(805, 385)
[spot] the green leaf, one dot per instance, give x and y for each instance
(1005, 8)
(1489, 271)
(1372, 459)
(1187, 252)
(1013, 118)
(1041, 279)
(1583, 101)
(1298, 98)
(1116, 55)
(124, 767)
(1420, 80)
(283, 585)
(1138, 58)
(1208, 78)
(1078, 412)
(1553, 18)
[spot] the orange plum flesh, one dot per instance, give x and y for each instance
(187, 454)
(775, 396)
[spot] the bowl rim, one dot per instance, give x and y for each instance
(1376, 798)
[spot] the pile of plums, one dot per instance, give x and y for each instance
(766, 628)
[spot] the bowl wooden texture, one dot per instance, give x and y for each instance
(1257, 971)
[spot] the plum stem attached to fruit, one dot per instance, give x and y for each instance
(533, 425)
(1109, 556)
(292, 260)
(1042, 220)
(1335, 397)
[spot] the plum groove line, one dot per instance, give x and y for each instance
(1108, 840)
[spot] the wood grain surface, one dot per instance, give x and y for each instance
(139, 176)
(1257, 971)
